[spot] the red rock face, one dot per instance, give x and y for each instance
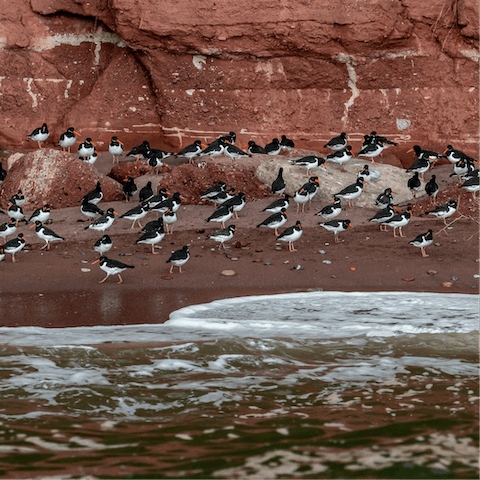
(172, 71)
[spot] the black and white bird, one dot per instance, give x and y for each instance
(18, 198)
(431, 189)
(399, 221)
(454, 155)
(140, 152)
(472, 185)
(372, 150)
(213, 190)
(278, 185)
(254, 149)
(68, 139)
(91, 159)
(39, 135)
(214, 149)
(414, 184)
(223, 235)
(155, 157)
(173, 203)
(382, 215)
(351, 192)
(277, 205)
(385, 199)
(103, 245)
(423, 240)
(221, 197)
(332, 210)
(95, 195)
(16, 212)
(275, 221)
(231, 137)
(103, 222)
(369, 175)
(112, 267)
(86, 149)
(273, 148)
(444, 211)
(46, 234)
(291, 234)
(306, 193)
(136, 214)
(462, 167)
(310, 161)
(2, 253)
(341, 156)
(158, 197)
(425, 158)
(8, 228)
(90, 210)
(179, 258)
(15, 245)
(129, 188)
(169, 218)
(286, 143)
(146, 192)
(115, 148)
(336, 226)
(337, 143)
(152, 225)
(386, 142)
(221, 215)
(40, 214)
(191, 151)
(152, 237)
(237, 202)
(235, 153)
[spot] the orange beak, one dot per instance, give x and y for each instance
(96, 261)
(76, 133)
(411, 150)
(32, 225)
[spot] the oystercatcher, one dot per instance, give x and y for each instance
(115, 148)
(431, 189)
(136, 214)
(399, 221)
(222, 197)
(153, 225)
(14, 245)
(3, 174)
(221, 215)
(214, 149)
(87, 148)
(277, 205)
(213, 190)
(172, 204)
(179, 258)
(454, 155)
(39, 135)
(254, 149)
(235, 153)
(8, 228)
(341, 156)
(291, 234)
(462, 167)
(146, 192)
(275, 221)
(423, 240)
(40, 214)
(372, 150)
(332, 210)
(158, 198)
(414, 184)
(237, 202)
(169, 218)
(140, 152)
(68, 139)
(103, 222)
(278, 185)
(425, 158)
(382, 215)
(385, 199)
(336, 226)
(95, 195)
(16, 212)
(223, 235)
(286, 143)
(18, 198)
(369, 175)
(310, 161)
(273, 148)
(386, 142)
(337, 143)
(472, 185)
(129, 188)
(90, 210)
(91, 159)
(152, 237)
(444, 211)
(112, 267)
(229, 138)
(351, 192)
(46, 234)
(2, 253)
(191, 151)
(155, 158)
(103, 245)
(306, 192)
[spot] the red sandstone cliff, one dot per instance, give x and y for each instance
(174, 70)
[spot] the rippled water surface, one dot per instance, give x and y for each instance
(308, 385)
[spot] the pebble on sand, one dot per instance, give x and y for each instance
(408, 279)
(228, 273)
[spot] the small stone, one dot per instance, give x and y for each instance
(286, 261)
(437, 244)
(85, 270)
(454, 279)
(166, 277)
(297, 267)
(476, 275)
(256, 260)
(322, 252)
(228, 273)
(83, 261)
(67, 256)
(234, 259)
(145, 264)
(198, 256)
(334, 276)
(447, 284)
(408, 279)
(278, 248)
(267, 262)
(327, 262)
(432, 272)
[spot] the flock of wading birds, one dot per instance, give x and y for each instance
(229, 203)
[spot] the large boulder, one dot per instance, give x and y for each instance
(54, 177)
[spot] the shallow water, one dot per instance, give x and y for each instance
(305, 385)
